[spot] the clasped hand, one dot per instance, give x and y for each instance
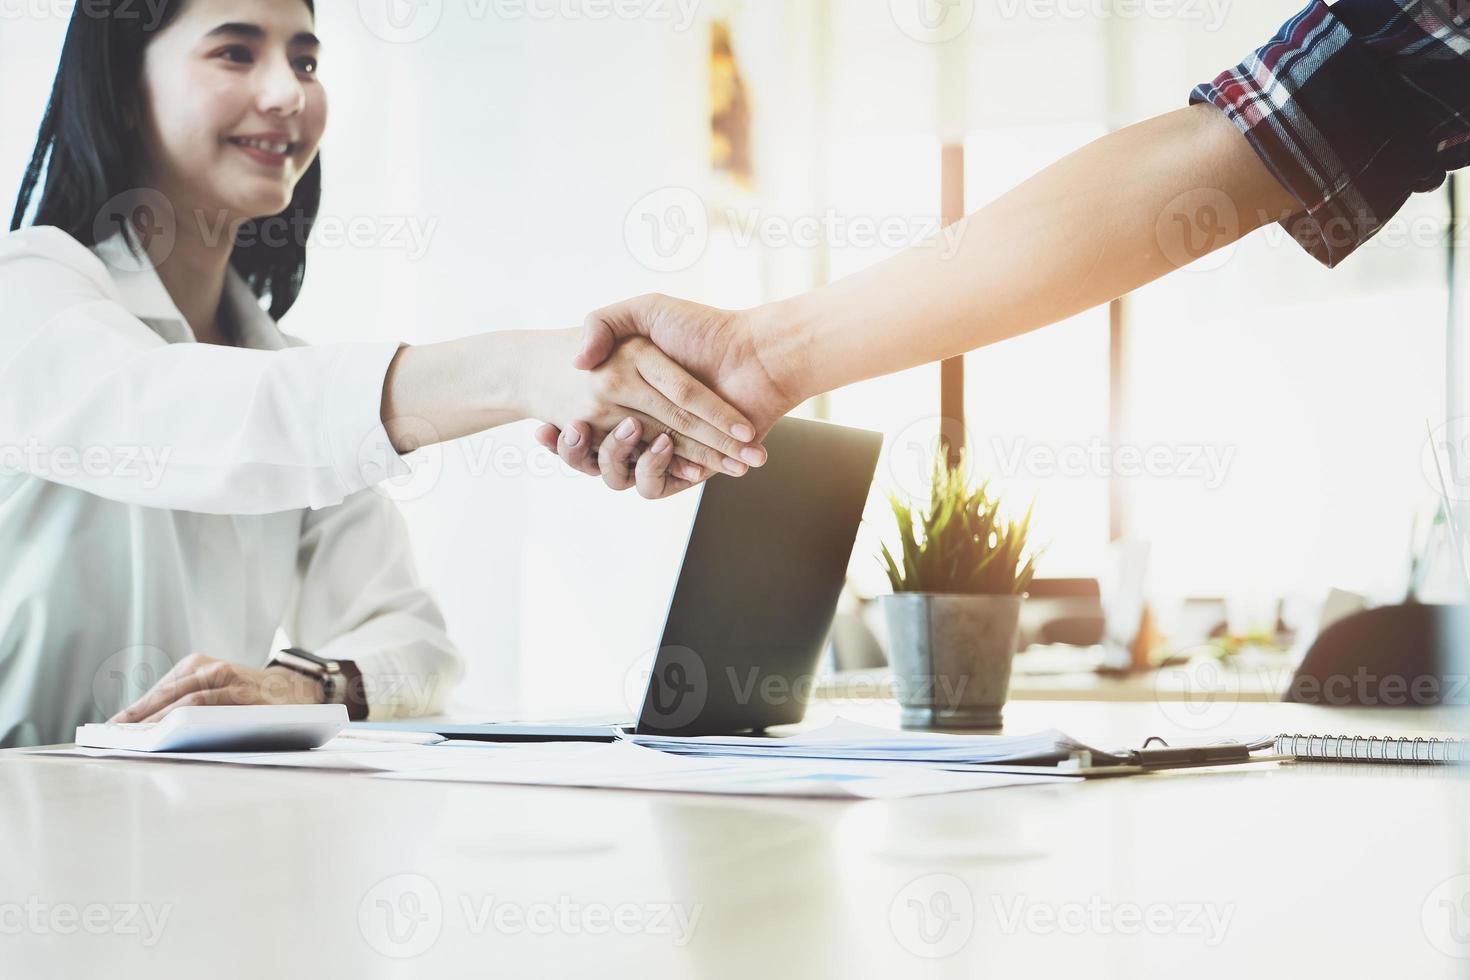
(637, 418)
(708, 363)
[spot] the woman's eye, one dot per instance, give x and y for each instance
(307, 65)
(237, 53)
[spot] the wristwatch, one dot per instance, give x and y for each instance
(341, 681)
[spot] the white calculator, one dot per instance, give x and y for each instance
(224, 728)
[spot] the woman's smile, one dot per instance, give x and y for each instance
(271, 149)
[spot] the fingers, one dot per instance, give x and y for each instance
(576, 455)
(691, 473)
(547, 436)
(655, 474)
(579, 456)
(597, 345)
(195, 672)
(609, 325)
(686, 392)
(577, 449)
(211, 695)
(693, 450)
(573, 445)
(199, 680)
(618, 457)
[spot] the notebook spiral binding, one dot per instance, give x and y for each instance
(1361, 748)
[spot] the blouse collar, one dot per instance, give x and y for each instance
(145, 296)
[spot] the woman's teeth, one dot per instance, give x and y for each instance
(277, 148)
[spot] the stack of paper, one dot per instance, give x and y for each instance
(346, 753)
(622, 765)
(618, 765)
(849, 741)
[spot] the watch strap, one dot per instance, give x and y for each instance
(353, 690)
(341, 680)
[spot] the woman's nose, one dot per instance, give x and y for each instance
(280, 91)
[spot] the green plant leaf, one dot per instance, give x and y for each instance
(959, 541)
(895, 577)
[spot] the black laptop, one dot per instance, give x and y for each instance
(753, 605)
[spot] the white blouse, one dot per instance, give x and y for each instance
(161, 497)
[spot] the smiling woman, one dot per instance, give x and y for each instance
(165, 116)
(170, 195)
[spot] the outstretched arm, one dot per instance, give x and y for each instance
(1115, 215)
(1329, 127)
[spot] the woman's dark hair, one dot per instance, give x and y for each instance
(89, 153)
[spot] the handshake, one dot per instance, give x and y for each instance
(662, 394)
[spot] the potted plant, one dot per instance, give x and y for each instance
(954, 617)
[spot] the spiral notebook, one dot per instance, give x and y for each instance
(1362, 748)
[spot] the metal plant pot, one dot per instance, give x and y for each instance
(951, 657)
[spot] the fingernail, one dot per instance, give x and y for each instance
(735, 468)
(753, 455)
(625, 431)
(690, 472)
(571, 436)
(743, 432)
(662, 443)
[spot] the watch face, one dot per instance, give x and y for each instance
(310, 658)
(326, 672)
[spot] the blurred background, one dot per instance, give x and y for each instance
(1251, 431)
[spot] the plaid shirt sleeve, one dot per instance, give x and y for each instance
(1354, 107)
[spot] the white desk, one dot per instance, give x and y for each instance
(1311, 871)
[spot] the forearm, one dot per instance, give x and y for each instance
(445, 391)
(1087, 230)
(440, 392)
